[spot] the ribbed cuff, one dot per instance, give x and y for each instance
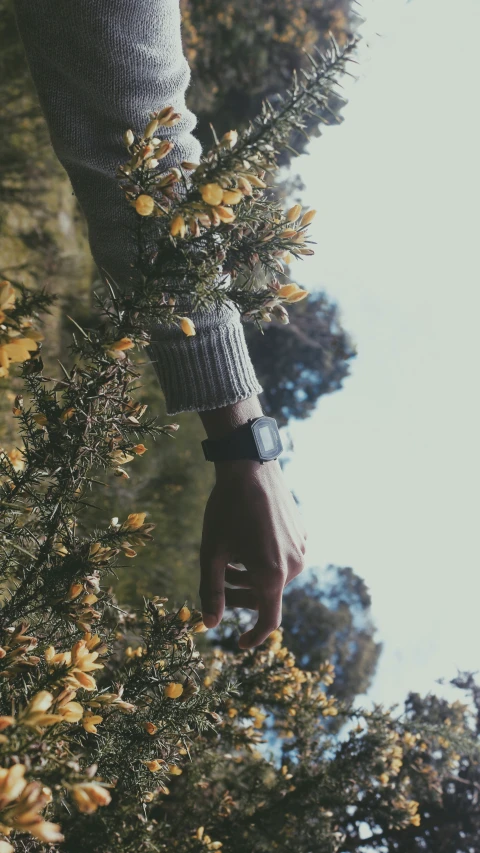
(206, 371)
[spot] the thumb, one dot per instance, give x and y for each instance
(212, 587)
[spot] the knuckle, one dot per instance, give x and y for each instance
(278, 569)
(296, 571)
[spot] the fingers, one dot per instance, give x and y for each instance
(241, 598)
(239, 577)
(269, 612)
(212, 587)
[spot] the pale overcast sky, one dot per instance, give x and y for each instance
(388, 469)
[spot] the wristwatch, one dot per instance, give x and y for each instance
(257, 439)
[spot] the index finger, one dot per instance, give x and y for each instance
(269, 614)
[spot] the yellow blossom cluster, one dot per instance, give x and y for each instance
(15, 457)
(232, 184)
(80, 602)
(21, 803)
(202, 836)
(18, 339)
(14, 652)
(392, 757)
(88, 796)
(80, 662)
(410, 807)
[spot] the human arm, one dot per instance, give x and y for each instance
(250, 518)
(100, 68)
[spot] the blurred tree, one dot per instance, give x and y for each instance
(43, 237)
(327, 618)
(445, 781)
(242, 51)
(298, 363)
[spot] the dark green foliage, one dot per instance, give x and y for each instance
(327, 618)
(301, 362)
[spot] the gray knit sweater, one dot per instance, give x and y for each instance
(99, 68)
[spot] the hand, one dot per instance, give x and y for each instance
(250, 518)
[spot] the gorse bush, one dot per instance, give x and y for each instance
(115, 733)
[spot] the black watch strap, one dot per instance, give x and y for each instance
(239, 444)
(257, 439)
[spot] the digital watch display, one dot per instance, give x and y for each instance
(258, 439)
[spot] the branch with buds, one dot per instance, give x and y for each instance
(95, 699)
(217, 209)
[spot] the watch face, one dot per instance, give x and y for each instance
(267, 438)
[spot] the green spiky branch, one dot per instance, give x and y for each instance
(102, 707)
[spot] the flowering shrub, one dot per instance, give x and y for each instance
(114, 733)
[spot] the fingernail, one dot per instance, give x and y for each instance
(210, 620)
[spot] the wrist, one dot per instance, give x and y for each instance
(220, 422)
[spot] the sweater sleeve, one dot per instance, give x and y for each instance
(100, 67)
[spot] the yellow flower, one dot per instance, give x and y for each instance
(90, 722)
(184, 614)
(71, 712)
(173, 690)
(5, 722)
(144, 205)
(134, 521)
(415, 820)
(19, 349)
(171, 120)
(150, 728)
(151, 127)
(298, 296)
(409, 739)
(122, 344)
(163, 149)
(187, 326)
(83, 659)
(24, 802)
(178, 226)
(139, 449)
(7, 295)
(307, 217)
(212, 193)
(67, 414)
(245, 185)
(35, 713)
(188, 166)
(230, 138)
(174, 770)
(294, 213)
(121, 457)
(82, 679)
(16, 459)
(256, 182)
(287, 290)
(74, 591)
(153, 765)
(128, 138)
(226, 214)
(89, 795)
(232, 196)
(384, 779)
